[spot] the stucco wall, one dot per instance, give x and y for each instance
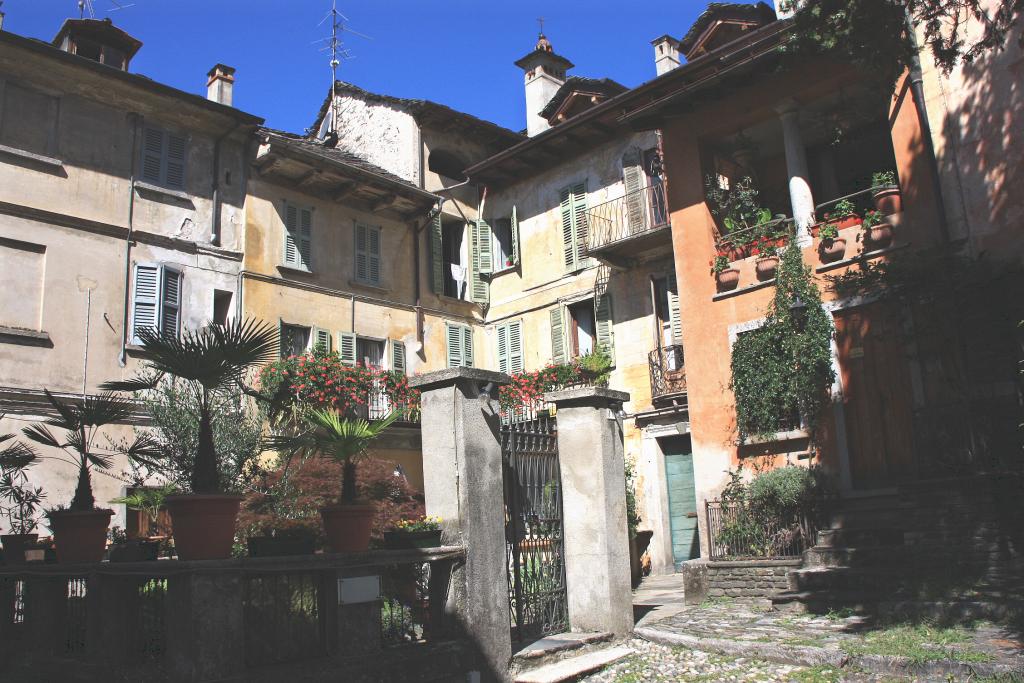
(380, 133)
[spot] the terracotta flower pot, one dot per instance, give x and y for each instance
(766, 267)
(734, 253)
(203, 524)
(832, 250)
(850, 220)
(348, 527)
(878, 236)
(15, 545)
(727, 279)
(888, 200)
(80, 536)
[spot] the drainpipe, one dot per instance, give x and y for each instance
(917, 90)
(123, 356)
(215, 219)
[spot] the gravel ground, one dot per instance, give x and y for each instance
(653, 662)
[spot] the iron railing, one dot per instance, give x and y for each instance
(738, 532)
(140, 616)
(668, 372)
(634, 213)
(379, 405)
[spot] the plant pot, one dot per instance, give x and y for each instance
(727, 279)
(850, 220)
(348, 527)
(878, 236)
(412, 539)
(766, 267)
(888, 200)
(203, 524)
(735, 253)
(273, 546)
(80, 536)
(134, 551)
(832, 250)
(15, 545)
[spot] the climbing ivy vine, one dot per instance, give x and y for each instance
(784, 368)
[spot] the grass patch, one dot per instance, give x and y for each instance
(718, 601)
(816, 674)
(919, 643)
(839, 614)
(804, 642)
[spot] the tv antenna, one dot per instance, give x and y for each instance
(336, 47)
(87, 7)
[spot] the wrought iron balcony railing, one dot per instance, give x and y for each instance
(668, 372)
(634, 214)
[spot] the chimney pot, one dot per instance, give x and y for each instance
(666, 54)
(220, 84)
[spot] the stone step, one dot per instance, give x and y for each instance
(550, 647)
(858, 557)
(821, 602)
(880, 518)
(867, 581)
(574, 667)
(860, 537)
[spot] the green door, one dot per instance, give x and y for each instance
(682, 498)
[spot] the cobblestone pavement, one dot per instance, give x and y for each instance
(653, 662)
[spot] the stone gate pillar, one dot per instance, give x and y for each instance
(462, 483)
(590, 455)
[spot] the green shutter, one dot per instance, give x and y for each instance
(321, 339)
(170, 302)
(673, 309)
(436, 256)
(361, 252)
(557, 335)
(347, 347)
(515, 347)
(145, 299)
(632, 178)
(515, 237)
(484, 252)
(579, 215)
(291, 228)
(398, 356)
(453, 343)
(374, 254)
(153, 155)
(568, 234)
(467, 346)
(603, 323)
(174, 162)
(305, 238)
(503, 348)
(480, 261)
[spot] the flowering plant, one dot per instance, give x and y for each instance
(828, 232)
(527, 389)
(418, 524)
(871, 219)
(719, 263)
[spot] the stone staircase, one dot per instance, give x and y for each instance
(565, 657)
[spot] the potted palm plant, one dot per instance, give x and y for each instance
(349, 523)
(149, 501)
(886, 193)
(80, 529)
(20, 501)
(207, 363)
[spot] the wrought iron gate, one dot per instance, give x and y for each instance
(533, 526)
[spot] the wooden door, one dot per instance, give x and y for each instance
(682, 499)
(877, 399)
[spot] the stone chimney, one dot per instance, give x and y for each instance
(545, 74)
(220, 84)
(666, 53)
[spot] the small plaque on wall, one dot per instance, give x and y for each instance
(353, 590)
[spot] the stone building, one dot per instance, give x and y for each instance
(121, 206)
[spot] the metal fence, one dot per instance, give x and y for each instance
(282, 617)
(667, 370)
(632, 214)
(737, 532)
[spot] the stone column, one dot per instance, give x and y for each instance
(462, 483)
(590, 456)
(796, 166)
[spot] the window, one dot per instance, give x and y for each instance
(28, 120)
(221, 307)
(156, 302)
(163, 158)
(370, 352)
(510, 347)
(294, 340)
(447, 164)
(298, 236)
(459, 342)
(506, 242)
(574, 226)
(449, 263)
(581, 327)
(669, 329)
(321, 340)
(21, 283)
(367, 241)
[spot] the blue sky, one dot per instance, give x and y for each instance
(457, 52)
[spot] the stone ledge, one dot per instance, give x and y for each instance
(583, 395)
(17, 335)
(747, 564)
(439, 378)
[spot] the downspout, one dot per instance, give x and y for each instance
(917, 90)
(122, 359)
(215, 219)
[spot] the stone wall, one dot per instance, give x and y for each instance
(748, 580)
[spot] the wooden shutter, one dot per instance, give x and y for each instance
(467, 346)
(322, 339)
(480, 262)
(515, 237)
(515, 347)
(145, 299)
(673, 308)
(373, 254)
(291, 224)
(503, 348)
(453, 343)
(633, 179)
(152, 155)
(174, 161)
(485, 253)
(557, 335)
(398, 356)
(170, 302)
(347, 347)
(305, 238)
(436, 256)
(568, 233)
(579, 213)
(362, 253)
(604, 325)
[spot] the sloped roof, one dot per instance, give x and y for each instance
(605, 87)
(759, 14)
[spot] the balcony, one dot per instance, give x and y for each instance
(668, 376)
(622, 229)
